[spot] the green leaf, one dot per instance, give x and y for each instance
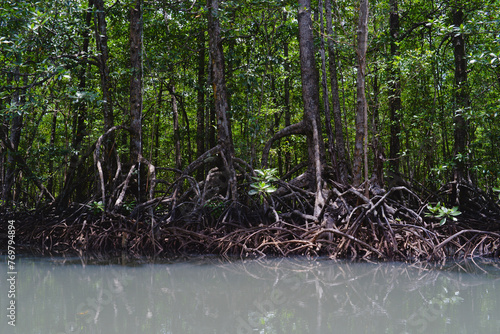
(432, 209)
(270, 190)
(253, 192)
(258, 171)
(442, 222)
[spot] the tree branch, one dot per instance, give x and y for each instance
(294, 129)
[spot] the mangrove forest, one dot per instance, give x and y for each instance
(337, 128)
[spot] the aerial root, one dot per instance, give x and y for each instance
(350, 225)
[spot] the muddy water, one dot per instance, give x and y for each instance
(208, 295)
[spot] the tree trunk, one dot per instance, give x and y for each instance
(310, 97)
(462, 104)
(276, 124)
(394, 90)
(136, 82)
(102, 48)
(14, 138)
(378, 149)
(200, 111)
(310, 124)
(103, 55)
(361, 110)
(177, 137)
(52, 142)
(157, 122)
(337, 114)
(188, 128)
(461, 97)
(210, 108)
(220, 95)
(288, 158)
(326, 101)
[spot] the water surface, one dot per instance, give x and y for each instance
(209, 295)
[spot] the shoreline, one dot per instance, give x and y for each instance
(116, 234)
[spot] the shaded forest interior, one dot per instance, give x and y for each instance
(339, 128)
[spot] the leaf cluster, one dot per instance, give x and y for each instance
(441, 211)
(263, 182)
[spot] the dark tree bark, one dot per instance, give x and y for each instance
(461, 96)
(220, 95)
(394, 90)
(337, 114)
(177, 136)
(15, 138)
(288, 158)
(136, 82)
(360, 153)
(462, 104)
(16, 127)
(200, 109)
(159, 107)
(310, 97)
(187, 126)
(101, 36)
(378, 150)
(52, 142)
(326, 100)
(102, 48)
(275, 126)
(210, 108)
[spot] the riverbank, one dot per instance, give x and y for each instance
(373, 237)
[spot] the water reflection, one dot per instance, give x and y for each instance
(209, 295)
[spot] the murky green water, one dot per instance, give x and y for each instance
(57, 295)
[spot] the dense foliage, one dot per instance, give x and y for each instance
(53, 110)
